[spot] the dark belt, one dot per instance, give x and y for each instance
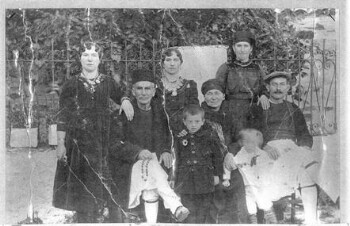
(194, 163)
(239, 96)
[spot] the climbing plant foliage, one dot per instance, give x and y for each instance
(63, 29)
(43, 36)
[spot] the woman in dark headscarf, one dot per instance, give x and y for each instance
(229, 204)
(242, 78)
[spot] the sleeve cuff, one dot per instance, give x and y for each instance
(226, 175)
(125, 98)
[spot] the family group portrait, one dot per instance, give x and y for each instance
(172, 115)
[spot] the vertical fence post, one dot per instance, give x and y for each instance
(126, 61)
(274, 57)
(53, 69)
(311, 83)
(111, 66)
(140, 57)
(299, 74)
(323, 113)
(67, 60)
(52, 62)
(154, 43)
(68, 47)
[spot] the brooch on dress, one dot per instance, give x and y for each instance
(184, 142)
(253, 161)
(90, 84)
(172, 86)
(174, 93)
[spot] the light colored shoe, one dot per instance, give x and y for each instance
(270, 217)
(253, 219)
(181, 213)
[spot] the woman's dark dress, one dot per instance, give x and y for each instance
(244, 84)
(229, 204)
(84, 115)
(174, 105)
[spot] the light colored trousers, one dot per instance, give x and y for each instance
(150, 180)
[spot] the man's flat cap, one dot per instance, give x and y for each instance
(277, 74)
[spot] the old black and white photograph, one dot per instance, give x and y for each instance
(174, 114)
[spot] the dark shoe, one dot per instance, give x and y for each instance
(87, 217)
(181, 213)
(115, 215)
(131, 217)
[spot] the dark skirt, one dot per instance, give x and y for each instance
(229, 203)
(83, 183)
(240, 108)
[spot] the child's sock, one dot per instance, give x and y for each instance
(309, 198)
(151, 211)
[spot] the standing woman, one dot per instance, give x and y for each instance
(242, 78)
(177, 91)
(82, 175)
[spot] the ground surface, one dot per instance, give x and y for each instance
(42, 167)
(33, 177)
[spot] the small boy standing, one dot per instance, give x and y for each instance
(254, 165)
(199, 164)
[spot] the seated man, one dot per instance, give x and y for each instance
(136, 150)
(286, 136)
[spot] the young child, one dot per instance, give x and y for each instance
(254, 165)
(149, 180)
(199, 164)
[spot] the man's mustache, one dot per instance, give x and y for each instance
(278, 92)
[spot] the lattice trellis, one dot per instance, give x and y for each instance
(314, 90)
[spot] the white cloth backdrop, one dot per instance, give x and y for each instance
(201, 63)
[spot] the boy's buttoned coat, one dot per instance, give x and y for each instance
(199, 159)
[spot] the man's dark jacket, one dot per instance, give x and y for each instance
(281, 121)
(126, 145)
